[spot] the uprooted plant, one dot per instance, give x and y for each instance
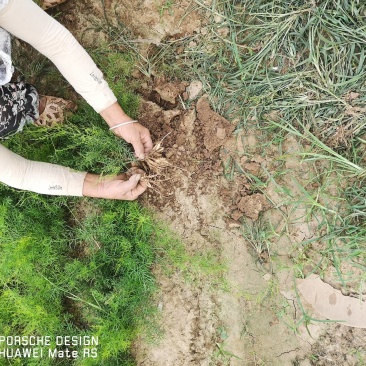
(154, 165)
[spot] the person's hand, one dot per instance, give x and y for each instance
(121, 187)
(133, 133)
(138, 136)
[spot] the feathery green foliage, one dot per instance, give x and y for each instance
(78, 266)
(65, 273)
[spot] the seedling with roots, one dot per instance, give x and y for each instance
(154, 165)
(154, 162)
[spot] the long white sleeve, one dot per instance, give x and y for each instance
(39, 177)
(27, 21)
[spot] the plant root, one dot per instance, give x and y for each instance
(155, 166)
(154, 162)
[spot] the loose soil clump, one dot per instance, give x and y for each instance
(193, 140)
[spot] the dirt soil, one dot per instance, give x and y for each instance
(251, 320)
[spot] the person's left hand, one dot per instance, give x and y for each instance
(126, 186)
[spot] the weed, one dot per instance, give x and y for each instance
(221, 353)
(293, 68)
(154, 165)
(300, 62)
(259, 236)
(154, 162)
(168, 6)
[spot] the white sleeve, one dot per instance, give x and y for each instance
(44, 178)
(27, 21)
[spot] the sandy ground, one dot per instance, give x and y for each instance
(205, 325)
(250, 320)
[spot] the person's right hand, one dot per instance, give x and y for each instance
(120, 187)
(138, 136)
(133, 133)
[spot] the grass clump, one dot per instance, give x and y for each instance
(299, 61)
(291, 69)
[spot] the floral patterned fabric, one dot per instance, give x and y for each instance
(6, 66)
(19, 106)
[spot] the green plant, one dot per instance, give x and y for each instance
(221, 353)
(259, 235)
(85, 265)
(76, 266)
(168, 6)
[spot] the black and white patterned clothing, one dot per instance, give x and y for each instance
(19, 106)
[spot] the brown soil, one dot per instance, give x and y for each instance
(251, 321)
(205, 209)
(149, 21)
(331, 346)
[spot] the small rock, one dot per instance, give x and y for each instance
(136, 74)
(204, 31)
(210, 122)
(251, 141)
(243, 160)
(204, 231)
(169, 153)
(188, 121)
(252, 167)
(170, 114)
(169, 92)
(194, 89)
(252, 206)
(353, 95)
(185, 96)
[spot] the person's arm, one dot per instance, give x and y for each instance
(27, 21)
(133, 133)
(121, 187)
(39, 177)
(46, 178)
